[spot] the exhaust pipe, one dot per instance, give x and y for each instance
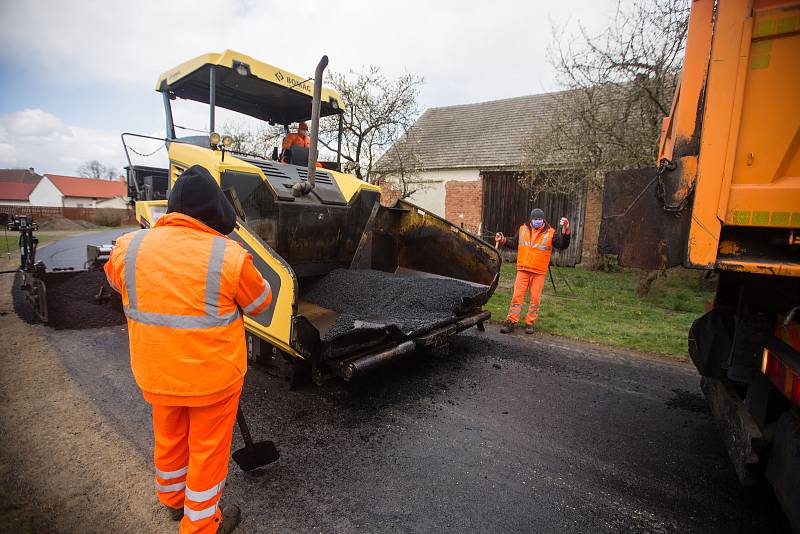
(303, 188)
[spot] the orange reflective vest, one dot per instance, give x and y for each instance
(534, 248)
(296, 139)
(184, 287)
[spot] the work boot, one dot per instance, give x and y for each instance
(176, 514)
(231, 516)
(529, 329)
(508, 326)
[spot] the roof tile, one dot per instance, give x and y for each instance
(485, 134)
(72, 186)
(15, 190)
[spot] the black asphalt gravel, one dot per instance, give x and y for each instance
(504, 434)
(74, 298)
(406, 301)
(82, 299)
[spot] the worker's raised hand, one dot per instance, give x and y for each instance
(564, 222)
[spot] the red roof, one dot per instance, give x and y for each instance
(15, 190)
(72, 186)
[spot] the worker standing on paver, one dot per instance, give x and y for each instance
(184, 286)
(299, 138)
(534, 242)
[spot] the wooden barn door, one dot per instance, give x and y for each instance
(555, 206)
(506, 205)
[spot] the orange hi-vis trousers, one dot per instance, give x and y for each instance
(191, 453)
(525, 280)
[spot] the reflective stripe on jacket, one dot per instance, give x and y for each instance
(183, 289)
(534, 249)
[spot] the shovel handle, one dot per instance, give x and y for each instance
(248, 439)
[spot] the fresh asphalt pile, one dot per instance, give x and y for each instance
(365, 298)
(72, 302)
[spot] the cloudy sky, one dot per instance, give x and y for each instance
(74, 75)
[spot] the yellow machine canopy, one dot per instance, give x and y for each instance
(243, 84)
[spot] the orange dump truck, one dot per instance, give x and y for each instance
(725, 196)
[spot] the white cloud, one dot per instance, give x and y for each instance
(36, 138)
(466, 50)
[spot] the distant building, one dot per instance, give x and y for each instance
(25, 176)
(75, 192)
(16, 186)
(15, 193)
(466, 163)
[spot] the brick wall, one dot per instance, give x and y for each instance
(389, 194)
(463, 204)
(591, 225)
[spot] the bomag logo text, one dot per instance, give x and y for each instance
(302, 84)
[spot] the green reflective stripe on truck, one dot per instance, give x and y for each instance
(741, 217)
(782, 219)
(779, 218)
(761, 218)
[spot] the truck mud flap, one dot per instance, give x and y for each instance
(783, 469)
(743, 439)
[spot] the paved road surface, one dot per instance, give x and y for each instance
(70, 253)
(506, 434)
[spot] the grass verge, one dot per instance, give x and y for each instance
(10, 241)
(607, 309)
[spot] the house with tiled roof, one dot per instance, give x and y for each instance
(76, 192)
(467, 160)
(15, 193)
(26, 176)
(16, 186)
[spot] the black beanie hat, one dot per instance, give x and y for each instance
(196, 194)
(536, 213)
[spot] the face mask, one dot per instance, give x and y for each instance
(304, 133)
(537, 223)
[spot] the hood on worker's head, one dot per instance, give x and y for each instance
(195, 193)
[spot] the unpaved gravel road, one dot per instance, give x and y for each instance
(64, 467)
(504, 434)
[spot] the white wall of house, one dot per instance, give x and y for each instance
(431, 192)
(14, 202)
(119, 203)
(79, 202)
(46, 194)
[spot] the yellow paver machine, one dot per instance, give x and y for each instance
(356, 284)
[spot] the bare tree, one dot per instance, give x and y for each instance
(95, 169)
(258, 141)
(400, 167)
(378, 111)
(619, 85)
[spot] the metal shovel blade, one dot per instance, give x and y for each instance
(255, 456)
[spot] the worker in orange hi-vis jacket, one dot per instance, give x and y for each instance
(300, 137)
(534, 242)
(184, 287)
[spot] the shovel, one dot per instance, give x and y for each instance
(253, 455)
